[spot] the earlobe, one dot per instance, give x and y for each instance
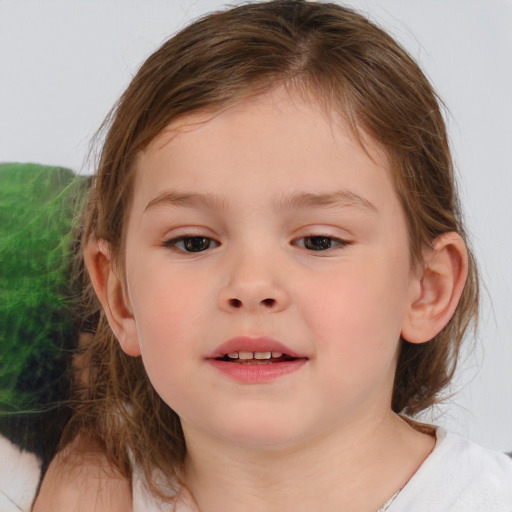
(441, 283)
(109, 289)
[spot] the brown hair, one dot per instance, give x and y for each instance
(352, 68)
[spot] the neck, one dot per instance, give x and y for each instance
(344, 468)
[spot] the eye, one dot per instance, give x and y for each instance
(320, 243)
(192, 243)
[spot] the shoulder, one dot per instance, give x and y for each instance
(80, 479)
(19, 477)
(477, 465)
(459, 476)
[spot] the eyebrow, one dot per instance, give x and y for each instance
(339, 198)
(342, 198)
(184, 199)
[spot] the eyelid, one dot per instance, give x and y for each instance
(172, 243)
(341, 243)
(190, 231)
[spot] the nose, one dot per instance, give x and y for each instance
(253, 284)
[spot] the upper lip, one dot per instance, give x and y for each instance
(252, 344)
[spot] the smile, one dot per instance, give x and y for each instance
(244, 357)
(255, 360)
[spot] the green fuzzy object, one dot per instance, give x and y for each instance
(37, 327)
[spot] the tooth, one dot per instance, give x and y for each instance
(277, 354)
(262, 355)
(233, 355)
(245, 355)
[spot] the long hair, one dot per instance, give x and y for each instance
(353, 69)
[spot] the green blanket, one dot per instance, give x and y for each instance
(37, 326)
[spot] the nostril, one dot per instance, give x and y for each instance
(268, 302)
(235, 303)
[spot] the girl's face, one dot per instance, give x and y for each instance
(261, 231)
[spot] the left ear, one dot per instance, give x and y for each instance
(441, 282)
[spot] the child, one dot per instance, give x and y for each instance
(276, 243)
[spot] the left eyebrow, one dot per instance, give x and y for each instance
(187, 200)
(341, 198)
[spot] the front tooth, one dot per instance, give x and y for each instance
(233, 355)
(277, 354)
(262, 355)
(245, 355)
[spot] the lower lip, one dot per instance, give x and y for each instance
(249, 373)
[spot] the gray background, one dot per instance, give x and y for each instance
(64, 63)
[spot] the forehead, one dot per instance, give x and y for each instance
(269, 147)
(278, 100)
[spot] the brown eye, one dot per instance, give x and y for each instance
(196, 243)
(192, 243)
(320, 243)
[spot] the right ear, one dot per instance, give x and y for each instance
(110, 291)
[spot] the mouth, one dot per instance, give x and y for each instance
(255, 360)
(245, 357)
(254, 350)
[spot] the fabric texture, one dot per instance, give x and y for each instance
(19, 477)
(458, 476)
(37, 325)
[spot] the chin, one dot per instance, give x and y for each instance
(264, 434)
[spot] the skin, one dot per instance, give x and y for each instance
(342, 308)
(326, 430)
(80, 479)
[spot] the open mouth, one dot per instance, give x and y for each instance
(244, 357)
(255, 360)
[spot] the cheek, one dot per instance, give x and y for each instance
(167, 327)
(359, 312)
(169, 316)
(357, 331)
(167, 302)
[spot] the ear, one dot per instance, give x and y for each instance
(441, 282)
(110, 291)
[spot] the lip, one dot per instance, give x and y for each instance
(253, 344)
(254, 373)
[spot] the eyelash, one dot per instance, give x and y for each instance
(338, 242)
(173, 243)
(197, 242)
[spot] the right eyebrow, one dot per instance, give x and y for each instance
(340, 198)
(188, 200)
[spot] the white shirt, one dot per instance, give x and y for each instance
(19, 477)
(458, 476)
